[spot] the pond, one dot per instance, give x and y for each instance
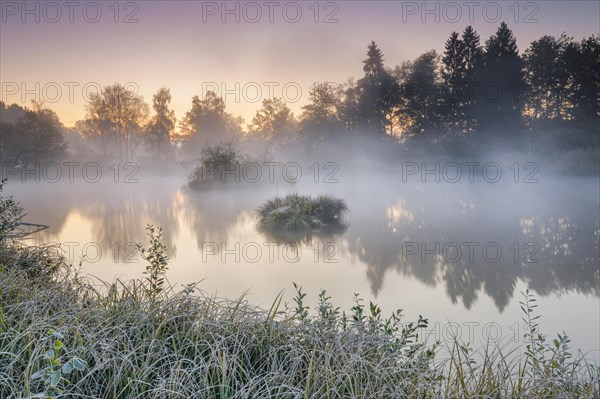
(459, 254)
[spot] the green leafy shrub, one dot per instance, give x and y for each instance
(156, 256)
(216, 161)
(57, 366)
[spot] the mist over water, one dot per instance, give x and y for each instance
(455, 250)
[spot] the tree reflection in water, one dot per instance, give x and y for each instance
(560, 221)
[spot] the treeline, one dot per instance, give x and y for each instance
(473, 95)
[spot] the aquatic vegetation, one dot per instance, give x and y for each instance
(296, 217)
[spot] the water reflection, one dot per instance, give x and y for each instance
(212, 216)
(118, 217)
(283, 236)
(442, 236)
(473, 242)
(122, 218)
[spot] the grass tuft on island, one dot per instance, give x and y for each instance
(63, 335)
(295, 216)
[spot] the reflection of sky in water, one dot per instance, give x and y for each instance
(213, 236)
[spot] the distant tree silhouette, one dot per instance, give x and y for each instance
(563, 91)
(468, 93)
(378, 93)
(500, 102)
(461, 72)
(400, 121)
(421, 94)
(10, 113)
(324, 101)
(162, 124)
(454, 76)
(348, 112)
(90, 130)
(118, 115)
(583, 64)
(473, 62)
(35, 136)
(473, 53)
(274, 122)
(547, 80)
(319, 120)
(207, 123)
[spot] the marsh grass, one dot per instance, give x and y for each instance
(297, 217)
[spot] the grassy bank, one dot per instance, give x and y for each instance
(62, 335)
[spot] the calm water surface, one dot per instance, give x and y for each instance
(459, 254)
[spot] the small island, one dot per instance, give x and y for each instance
(296, 217)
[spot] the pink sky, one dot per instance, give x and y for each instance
(186, 46)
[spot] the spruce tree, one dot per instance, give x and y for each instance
(378, 94)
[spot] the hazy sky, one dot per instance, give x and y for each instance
(58, 51)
